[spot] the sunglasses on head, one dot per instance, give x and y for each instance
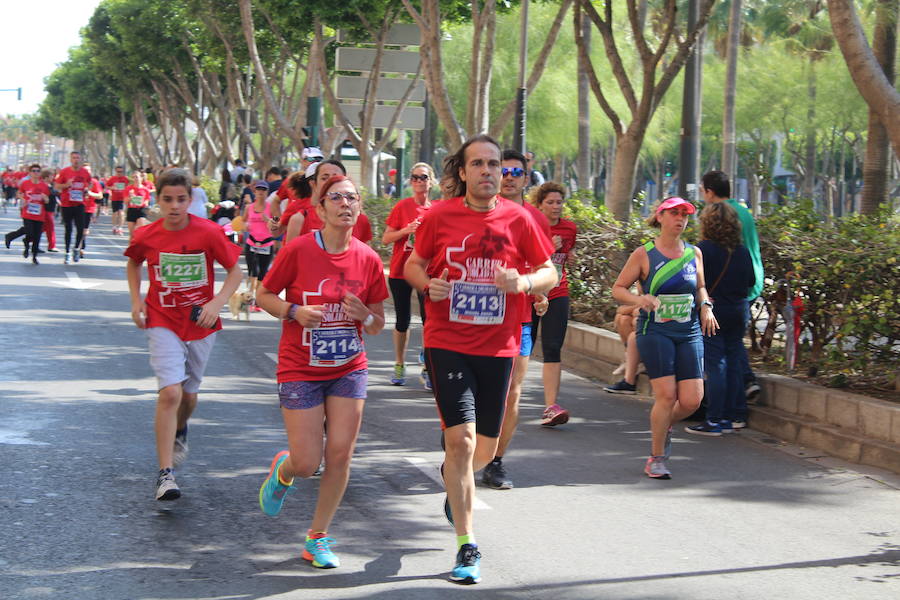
(338, 197)
(422, 177)
(514, 171)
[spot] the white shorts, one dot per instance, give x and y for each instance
(175, 361)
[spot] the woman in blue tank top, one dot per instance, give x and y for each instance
(674, 311)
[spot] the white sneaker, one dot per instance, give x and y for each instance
(179, 451)
(619, 370)
(166, 488)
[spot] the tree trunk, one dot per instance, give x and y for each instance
(584, 107)
(809, 146)
(729, 145)
(875, 167)
(620, 191)
(878, 92)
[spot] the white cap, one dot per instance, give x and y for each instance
(311, 152)
(311, 170)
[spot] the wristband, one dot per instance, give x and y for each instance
(706, 303)
(369, 320)
(292, 310)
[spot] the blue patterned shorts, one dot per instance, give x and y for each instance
(309, 394)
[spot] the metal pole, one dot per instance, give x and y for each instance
(522, 93)
(687, 162)
(400, 147)
(313, 111)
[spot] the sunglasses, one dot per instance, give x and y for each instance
(418, 177)
(338, 197)
(35, 170)
(514, 171)
(313, 159)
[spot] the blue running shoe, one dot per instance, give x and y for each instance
(318, 550)
(726, 426)
(272, 492)
(399, 377)
(468, 565)
(425, 379)
(422, 356)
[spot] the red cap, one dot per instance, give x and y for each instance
(673, 202)
(392, 172)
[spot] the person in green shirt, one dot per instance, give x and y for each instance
(715, 187)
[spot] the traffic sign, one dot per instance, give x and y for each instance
(362, 59)
(412, 117)
(400, 34)
(354, 88)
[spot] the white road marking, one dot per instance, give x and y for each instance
(273, 356)
(75, 282)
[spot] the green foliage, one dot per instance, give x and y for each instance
(377, 209)
(848, 275)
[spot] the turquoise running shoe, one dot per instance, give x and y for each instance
(468, 565)
(318, 550)
(272, 492)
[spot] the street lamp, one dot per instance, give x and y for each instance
(17, 90)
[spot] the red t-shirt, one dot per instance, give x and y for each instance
(310, 275)
(137, 196)
(9, 179)
(540, 219)
(90, 204)
(180, 264)
(296, 206)
(403, 213)
(567, 230)
(33, 207)
(478, 319)
(81, 182)
(116, 186)
(361, 231)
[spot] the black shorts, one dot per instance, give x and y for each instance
(470, 389)
(133, 214)
(117, 205)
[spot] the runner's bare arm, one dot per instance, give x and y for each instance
(210, 311)
(638, 264)
(414, 271)
(294, 227)
(539, 281)
(138, 308)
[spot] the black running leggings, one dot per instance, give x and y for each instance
(33, 235)
(553, 328)
(401, 291)
(73, 215)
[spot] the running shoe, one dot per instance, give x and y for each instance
(739, 424)
(726, 426)
(54, 250)
(623, 387)
(422, 356)
(656, 468)
(68, 259)
(494, 475)
(318, 550)
(468, 565)
(705, 428)
(399, 377)
(447, 511)
(75, 256)
(7, 240)
(425, 379)
(554, 415)
(619, 370)
(35, 260)
(751, 391)
(272, 492)
(166, 488)
(25, 252)
(180, 449)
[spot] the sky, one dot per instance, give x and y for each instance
(29, 59)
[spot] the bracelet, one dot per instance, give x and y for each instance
(291, 311)
(706, 303)
(530, 284)
(369, 320)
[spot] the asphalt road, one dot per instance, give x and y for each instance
(744, 517)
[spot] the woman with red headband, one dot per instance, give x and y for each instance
(669, 327)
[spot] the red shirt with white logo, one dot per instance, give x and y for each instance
(180, 264)
(477, 318)
(540, 219)
(90, 203)
(567, 231)
(75, 194)
(403, 213)
(137, 196)
(116, 186)
(33, 207)
(309, 275)
(361, 231)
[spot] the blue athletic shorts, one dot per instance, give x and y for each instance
(527, 341)
(680, 355)
(309, 394)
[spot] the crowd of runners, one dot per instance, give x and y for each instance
(486, 263)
